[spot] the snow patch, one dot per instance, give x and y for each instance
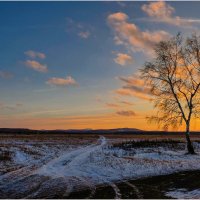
(20, 157)
(184, 194)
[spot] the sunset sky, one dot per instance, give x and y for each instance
(74, 65)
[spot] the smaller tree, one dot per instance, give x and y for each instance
(174, 80)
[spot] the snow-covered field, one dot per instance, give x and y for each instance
(41, 169)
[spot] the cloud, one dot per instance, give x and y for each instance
(119, 104)
(129, 92)
(6, 75)
(133, 80)
(131, 36)
(134, 86)
(62, 81)
(84, 34)
(123, 59)
(159, 9)
(34, 54)
(72, 25)
(126, 103)
(112, 105)
(117, 17)
(80, 29)
(126, 113)
(36, 66)
(162, 12)
(122, 4)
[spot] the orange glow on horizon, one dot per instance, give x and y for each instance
(107, 121)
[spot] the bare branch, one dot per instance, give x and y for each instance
(174, 79)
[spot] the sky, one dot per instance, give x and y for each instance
(74, 65)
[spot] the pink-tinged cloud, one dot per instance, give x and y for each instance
(117, 17)
(36, 66)
(119, 104)
(128, 92)
(84, 34)
(62, 81)
(123, 59)
(133, 80)
(127, 113)
(134, 86)
(162, 12)
(129, 35)
(158, 9)
(126, 103)
(35, 54)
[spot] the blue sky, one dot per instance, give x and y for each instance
(61, 60)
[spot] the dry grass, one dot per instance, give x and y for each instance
(5, 156)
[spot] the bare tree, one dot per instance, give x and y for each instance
(174, 80)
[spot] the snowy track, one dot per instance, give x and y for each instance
(69, 163)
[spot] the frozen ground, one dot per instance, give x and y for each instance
(56, 169)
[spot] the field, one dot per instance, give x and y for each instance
(98, 166)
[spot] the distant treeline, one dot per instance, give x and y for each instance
(125, 131)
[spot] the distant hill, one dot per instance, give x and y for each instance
(70, 131)
(120, 131)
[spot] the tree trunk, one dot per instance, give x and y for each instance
(189, 143)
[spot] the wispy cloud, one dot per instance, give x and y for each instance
(127, 113)
(119, 104)
(35, 54)
(126, 103)
(4, 106)
(121, 4)
(131, 36)
(62, 81)
(123, 59)
(130, 92)
(36, 66)
(134, 86)
(133, 80)
(78, 28)
(6, 75)
(163, 12)
(84, 34)
(112, 105)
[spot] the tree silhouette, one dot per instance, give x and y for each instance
(174, 80)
